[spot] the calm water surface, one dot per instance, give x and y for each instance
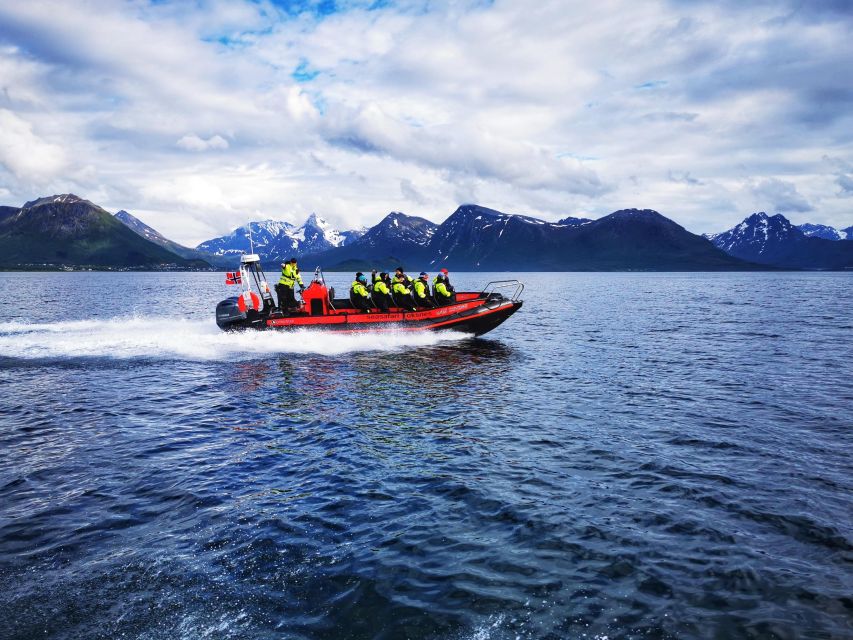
(630, 456)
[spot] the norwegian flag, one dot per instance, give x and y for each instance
(233, 277)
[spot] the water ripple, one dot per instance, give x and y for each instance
(632, 456)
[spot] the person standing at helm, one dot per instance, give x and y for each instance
(288, 280)
(382, 292)
(443, 290)
(421, 291)
(402, 294)
(447, 284)
(358, 294)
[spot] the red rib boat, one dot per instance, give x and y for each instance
(471, 312)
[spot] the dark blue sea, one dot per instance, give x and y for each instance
(631, 455)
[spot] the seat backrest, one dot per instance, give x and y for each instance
(403, 299)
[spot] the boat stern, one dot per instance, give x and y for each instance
(228, 315)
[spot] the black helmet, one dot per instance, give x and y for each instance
(358, 275)
(292, 260)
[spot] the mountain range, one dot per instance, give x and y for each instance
(774, 241)
(67, 231)
(475, 238)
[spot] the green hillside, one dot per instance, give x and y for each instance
(67, 231)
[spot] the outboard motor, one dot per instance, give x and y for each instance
(229, 316)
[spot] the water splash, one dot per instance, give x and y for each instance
(153, 337)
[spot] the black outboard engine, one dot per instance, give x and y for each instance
(229, 316)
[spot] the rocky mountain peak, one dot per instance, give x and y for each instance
(644, 215)
(63, 198)
(571, 221)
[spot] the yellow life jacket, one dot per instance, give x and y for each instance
(290, 275)
(441, 289)
(421, 288)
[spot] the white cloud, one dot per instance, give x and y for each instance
(552, 109)
(779, 196)
(26, 154)
(192, 142)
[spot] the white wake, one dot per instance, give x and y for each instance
(127, 338)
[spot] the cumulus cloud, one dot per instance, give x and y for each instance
(845, 182)
(683, 177)
(192, 142)
(26, 154)
(411, 193)
(842, 170)
(464, 150)
(780, 196)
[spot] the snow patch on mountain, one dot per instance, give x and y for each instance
(823, 231)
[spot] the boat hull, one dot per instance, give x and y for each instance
(472, 316)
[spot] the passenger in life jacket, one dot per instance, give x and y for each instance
(402, 294)
(358, 294)
(443, 290)
(382, 292)
(288, 280)
(406, 279)
(421, 290)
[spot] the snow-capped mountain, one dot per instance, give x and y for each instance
(318, 235)
(398, 230)
(773, 240)
(826, 232)
(265, 234)
(396, 239)
(279, 240)
(478, 237)
(758, 238)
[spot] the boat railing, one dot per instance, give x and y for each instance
(502, 287)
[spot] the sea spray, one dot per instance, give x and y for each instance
(158, 337)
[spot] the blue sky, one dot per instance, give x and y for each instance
(200, 116)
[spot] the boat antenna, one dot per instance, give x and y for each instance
(251, 242)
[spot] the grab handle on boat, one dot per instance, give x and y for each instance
(495, 286)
